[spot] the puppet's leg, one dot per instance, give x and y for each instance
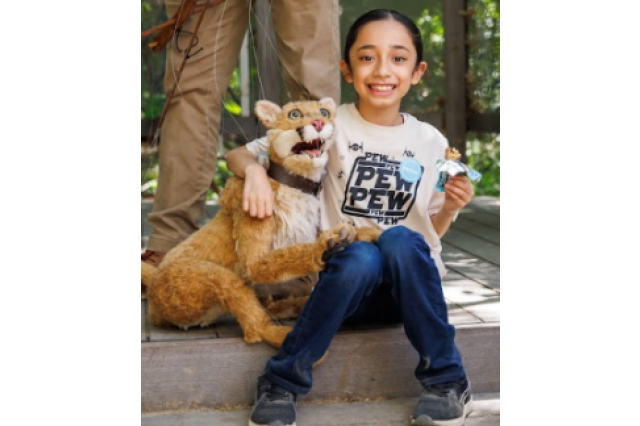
(195, 292)
(301, 259)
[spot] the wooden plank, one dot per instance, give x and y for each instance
(463, 295)
(488, 310)
(484, 272)
(487, 122)
(475, 214)
(478, 247)
(455, 59)
(487, 233)
(453, 276)
(227, 326)
(486, 203)
(465, 291)
(361, 364)
(460, 316)
(173, 333)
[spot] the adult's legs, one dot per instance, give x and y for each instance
(416, 287)
(189, 135)
(308, 39)
(348, 278)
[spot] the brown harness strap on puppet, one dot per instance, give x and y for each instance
(280, 174)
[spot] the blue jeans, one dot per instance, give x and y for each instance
(395, 280)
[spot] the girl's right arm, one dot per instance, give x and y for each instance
(257, 198)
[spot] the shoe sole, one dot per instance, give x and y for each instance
(281, 423)
(452, 422)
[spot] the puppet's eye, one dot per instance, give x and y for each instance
(325, 113)
(294, 114)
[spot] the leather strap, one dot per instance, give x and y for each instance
(280, 174)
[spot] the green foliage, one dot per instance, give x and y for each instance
(149, 174)
(429, 92)
(483, 151)
(232, 96)
(152, 104)
(152, 69)
(220, 179)
(484, 54)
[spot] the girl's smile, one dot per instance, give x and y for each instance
(384, 90)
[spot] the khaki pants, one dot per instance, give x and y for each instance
(307, 34)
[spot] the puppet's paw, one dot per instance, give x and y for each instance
(336, 240)
(368, 234)
(321, 360)
(274, 335)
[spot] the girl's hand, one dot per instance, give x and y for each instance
(257, 198)
(458, 193)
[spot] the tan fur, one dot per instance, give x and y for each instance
(210, 273)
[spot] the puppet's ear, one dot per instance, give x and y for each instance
(267, 112)
(329, 103)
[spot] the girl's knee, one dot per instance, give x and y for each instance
(358, 251)
(401, 241)
(359, 262)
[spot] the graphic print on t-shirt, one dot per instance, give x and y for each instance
(377, 188)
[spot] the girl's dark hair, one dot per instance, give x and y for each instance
(383, 15)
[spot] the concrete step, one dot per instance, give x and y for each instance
(375, 363)
(390, 412)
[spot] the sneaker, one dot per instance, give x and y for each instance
(275, 406)
(443, 404)
(153, 258)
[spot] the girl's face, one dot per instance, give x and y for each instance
(383, 65)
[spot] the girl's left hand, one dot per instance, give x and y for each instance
(458, 193)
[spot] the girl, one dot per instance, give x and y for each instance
(381, 172)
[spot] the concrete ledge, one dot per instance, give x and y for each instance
(389, 412)
(361, 364)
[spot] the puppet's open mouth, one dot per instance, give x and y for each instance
(312, 149)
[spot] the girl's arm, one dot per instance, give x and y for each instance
(257, 198)
(458, 193)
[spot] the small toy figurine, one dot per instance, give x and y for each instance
(451, 166)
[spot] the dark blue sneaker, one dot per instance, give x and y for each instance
(443, 404)
(274, 406)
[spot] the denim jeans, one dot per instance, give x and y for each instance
(395, 280)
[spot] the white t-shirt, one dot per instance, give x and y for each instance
(381, 175)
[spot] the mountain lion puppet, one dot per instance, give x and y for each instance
(212, 271)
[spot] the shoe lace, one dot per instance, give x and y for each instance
(273, 392)
(440, 389)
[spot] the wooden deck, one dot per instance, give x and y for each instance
(471, 253)
(213, 367)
